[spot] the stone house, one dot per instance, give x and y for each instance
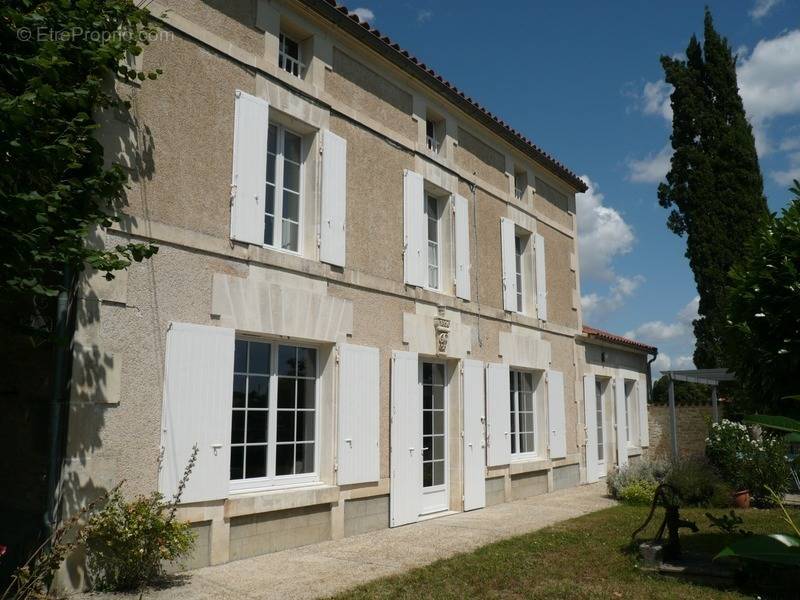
(365, 310)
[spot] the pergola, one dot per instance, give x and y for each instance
(710, 377)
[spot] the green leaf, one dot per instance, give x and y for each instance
(777, 549)
(774, 422)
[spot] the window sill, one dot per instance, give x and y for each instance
(242, 504)
(634, 451)
(527, 465)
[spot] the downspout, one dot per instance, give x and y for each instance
(59, 401)
(650, 376)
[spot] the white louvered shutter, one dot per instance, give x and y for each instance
(249, 168)
(332, 233)
(509, 264)
(474, 443)
(621, 409)
(498, 415)
(590, 419)
(198, 388)
(541, 277)
(461, 207)
(359, 414)
(415, 250)
(405, 500)
(556, 415)
(644, 430)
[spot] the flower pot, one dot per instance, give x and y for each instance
(741, 499)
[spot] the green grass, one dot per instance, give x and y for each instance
(585, 557)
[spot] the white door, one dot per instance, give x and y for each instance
(602, 443)
(474, 444)
(406, 452)
(435, 496)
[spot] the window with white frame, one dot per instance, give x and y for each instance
(519, 256)
(432, 134)
(433, 218)
(274, 420)
(282, 205)
(598, 391)
(433, 424)
(520, 183)
(289, 55)
(523, 413)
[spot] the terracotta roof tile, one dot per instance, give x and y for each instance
(613, 338)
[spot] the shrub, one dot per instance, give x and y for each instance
(639, 492)
(641, 472)
(697, 483)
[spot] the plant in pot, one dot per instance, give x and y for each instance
(730, 448)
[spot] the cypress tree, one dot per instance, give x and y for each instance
(714, 185)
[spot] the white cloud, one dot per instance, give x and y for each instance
(662, 363)
(684, 362)
(657, 331)
(769, 79)
(364, 14)
(762, 7)
(786, 177)
(652, 168)
(655, 99)
(603, 234)
(689, 312)
(789, 144)
(424, 15)
(596, 305)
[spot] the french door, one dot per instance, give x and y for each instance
(435, 497)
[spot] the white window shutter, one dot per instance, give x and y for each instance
(249, 168)
(590, 420)
(198, 388)
(415, 249)
(334, 199)
(462, 246)
(541, 277)
(498, 415)
(556, 416)
(509, 264)
(405, 500)
(644, 430)
(359, 414)
(473, 387)
(621, 408)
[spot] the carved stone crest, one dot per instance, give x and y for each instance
(442, 327)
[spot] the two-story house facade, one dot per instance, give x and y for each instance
(365, 308)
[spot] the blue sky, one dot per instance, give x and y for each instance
(583, 80)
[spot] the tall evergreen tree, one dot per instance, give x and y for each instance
(714, 185)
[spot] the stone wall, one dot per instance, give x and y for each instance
(693, 422)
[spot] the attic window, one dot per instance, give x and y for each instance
(434, 130)
(520, 183)
(289, 56)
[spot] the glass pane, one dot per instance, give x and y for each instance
(427, 447)
(305, 425)
(304, 460)
(433, 230)
(526, 441)
(526, 401)
(259, 358)
(284, 459)
(272, 139)
(256, 461)
(526, 423)
(269, 204)
(240, 357)
(291, 181)
(438, 373)
(438, 397)
(306, 362)
(239, 382)
(285, 426)
(427, 475)
(291, 204)
(256, 426)
(513, 421)
(427, 422)
(427, 373)
(438, 421)
(270, 173)
(286, 392)
(427, 397)
(291, 147)
(237, 462)
(438, 447)
(289, 233)
(258, 392)
(287, 360)
(527, 381)
(438, 472)
(237, 427)
(306, 389)
(269, 231)
(513, 444)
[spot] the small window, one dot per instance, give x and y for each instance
(598, 391)
(274, 420)
(433, 217)
(520, 183)
(523, 413)
(282, 204)
(434, 132)
(519, 256)
(289, 55)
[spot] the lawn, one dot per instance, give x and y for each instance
(581, 558)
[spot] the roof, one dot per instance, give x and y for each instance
(363, 31)
(704, 376)
(613, 338)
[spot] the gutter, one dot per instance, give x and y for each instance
(650, 376)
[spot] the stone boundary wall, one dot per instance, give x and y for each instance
(693, 423)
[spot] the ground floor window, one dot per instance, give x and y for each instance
(523, 413)
(274, 418)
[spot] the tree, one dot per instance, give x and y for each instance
(762, 335)
(685, 392)
(714, 186)
(59, 60)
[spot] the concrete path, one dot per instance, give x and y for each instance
(331, 567)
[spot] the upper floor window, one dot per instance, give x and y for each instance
(433, 216)
(523, 413)
(519, 257)
(289, 55)
(520, 183)
(432, 135)
(273, 425)
(283, 193)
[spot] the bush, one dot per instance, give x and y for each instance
(638, 493)
(129, 542)
(641, 474)
(697, 483)
(746, 462)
